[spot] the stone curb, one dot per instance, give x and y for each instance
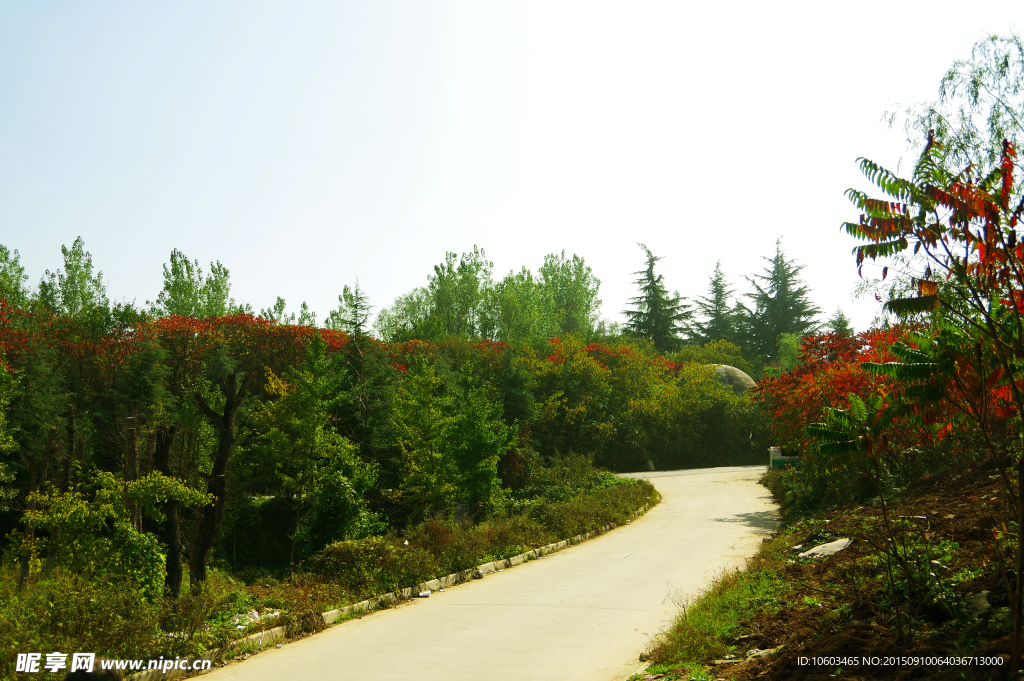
(270, 637)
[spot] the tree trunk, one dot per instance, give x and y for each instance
(37, 471)
(131, 469)
(234, 388)
(172, 522)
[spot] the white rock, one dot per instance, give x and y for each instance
(825, 550)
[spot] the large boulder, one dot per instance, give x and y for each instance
(738, 380)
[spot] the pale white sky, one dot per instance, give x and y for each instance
(305, 145)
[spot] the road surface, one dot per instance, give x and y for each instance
(584, 613)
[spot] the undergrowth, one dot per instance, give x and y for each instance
(65, 611)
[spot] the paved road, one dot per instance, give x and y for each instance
(583, 613)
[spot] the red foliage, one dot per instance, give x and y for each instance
(828, 372)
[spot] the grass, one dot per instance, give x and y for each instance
(707, 627)
(909, 595)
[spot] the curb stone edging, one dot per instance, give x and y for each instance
(272, 636)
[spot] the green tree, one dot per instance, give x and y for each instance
(656, 316)
(516, 310)
(187, 292)
(452, 305)
(75, 289)
(353, 312)
(840, 324)
(13, 279)
(8, 384)
(276, 313)
(718, 321)
(980, 104)
(781, 305)
(403, 321)
(451, 438)
(569, 292)
(457, 293)
(313, 467)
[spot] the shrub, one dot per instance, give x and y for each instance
(373, 566)
(70, 612)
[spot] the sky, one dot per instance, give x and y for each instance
(308, 145)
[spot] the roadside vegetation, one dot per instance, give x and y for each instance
(179, 474)
(909, 434)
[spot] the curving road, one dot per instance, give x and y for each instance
(583, 613)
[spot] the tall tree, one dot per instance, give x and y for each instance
(781, 305)
(75, 289)
(12, 278)
(980, 104)
(402, 321)
(453, 304)
(839, 323)
(353, 312)
(657, 315)
(458, 293)
(569, 290)
(718, 318)
(187, 292)
(516, 309)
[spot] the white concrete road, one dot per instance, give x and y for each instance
(586, 612)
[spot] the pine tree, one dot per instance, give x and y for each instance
(658, 316)
(719, 321)
(353, 312)
(780, 306)
(840, 324)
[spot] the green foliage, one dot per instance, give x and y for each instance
(569, 291)
(656, 315)
(715, 352)
(781, 305)
(187, 292)
(461, 300)
(451, 439)
(373, 566)
(840, 324)
(705, 627)
(72, 612)
(439, 546)
(75, 289)
(719, 321)
(13, 289)
(352, 314)
(979, 105)
(96, 535)
(295, 454)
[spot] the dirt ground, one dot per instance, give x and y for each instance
(837, 609)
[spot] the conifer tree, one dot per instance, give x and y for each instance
(719, 321)
(657, 315)
(780, 305)
(353, 312)
(840, 324)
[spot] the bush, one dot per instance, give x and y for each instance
(586, 513)
(70, 612)
(373, 566)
